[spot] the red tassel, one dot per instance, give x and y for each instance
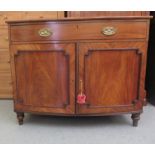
(81, 99)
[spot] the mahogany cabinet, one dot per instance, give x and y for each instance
(54, 62)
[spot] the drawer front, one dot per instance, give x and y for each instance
(79, 31)
(4, 42)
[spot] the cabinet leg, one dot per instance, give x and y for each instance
(20, 117)
(135, 118)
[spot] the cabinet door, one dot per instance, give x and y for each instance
(44, 77)
(112, 76)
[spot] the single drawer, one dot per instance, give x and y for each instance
(79, 30)
(4, 41)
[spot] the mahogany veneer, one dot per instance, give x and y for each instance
(52, 61)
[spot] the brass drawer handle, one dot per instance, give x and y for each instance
(45, 32)
(109, 30)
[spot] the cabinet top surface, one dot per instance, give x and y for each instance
(80, 19)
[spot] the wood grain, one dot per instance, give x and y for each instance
(45, 76)
(41, 15)
(10, 15)
(5, 80)
(4, 41)
(105, 13)
(110, 73)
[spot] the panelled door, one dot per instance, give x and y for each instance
(111, 76)
(44, 76)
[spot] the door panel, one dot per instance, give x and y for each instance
(45, 76)
(111, 74)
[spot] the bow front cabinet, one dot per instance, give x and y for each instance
(79, 67)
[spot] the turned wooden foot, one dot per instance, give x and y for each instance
(20, 117)
(135, 118)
